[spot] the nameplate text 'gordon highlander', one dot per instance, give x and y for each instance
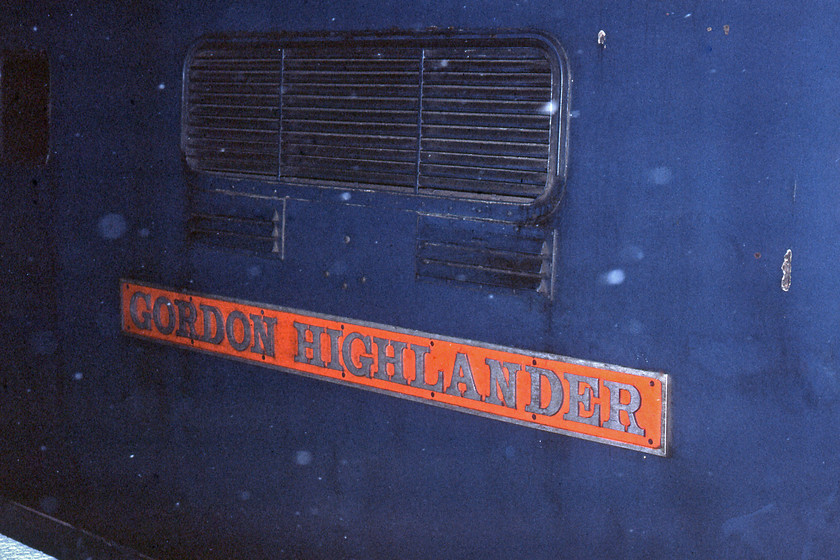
(608, 404)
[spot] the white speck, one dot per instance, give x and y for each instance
(661, 175)
(345, 196)
(550, 108)
(78, 376)
(489, 296)
(222, 150)
(244, 495)
(332, 19)
(632, 253)
(131, 456)
(574, 114)
(161, 86)
(635, 327)
(444, 63)
(112, 226)
(303, 457)
(688, 15)
(34, 28)
(613, 277)
(43, 448)
(78, 135)
(713, 71)
(144, 232)
(254, 271)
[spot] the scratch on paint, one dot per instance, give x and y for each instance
(786, 271)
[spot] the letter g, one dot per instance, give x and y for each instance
(144, 319)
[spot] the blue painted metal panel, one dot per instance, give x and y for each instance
(703, 145)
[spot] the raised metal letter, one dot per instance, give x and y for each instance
(365, 362)
(614, 423)
(590, 389)
(556, 388)
(507, 385)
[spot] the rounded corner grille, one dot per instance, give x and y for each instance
(468, 115)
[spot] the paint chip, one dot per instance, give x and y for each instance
(786, 271)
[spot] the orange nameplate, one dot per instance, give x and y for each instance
(598, 402)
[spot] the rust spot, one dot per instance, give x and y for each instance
(726, 29)
(757, 255)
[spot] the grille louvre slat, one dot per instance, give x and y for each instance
(444, 118)
(353, 152)
(477, 185)
(356, 164)
(431, 113)
(341, 140)
(466, 148)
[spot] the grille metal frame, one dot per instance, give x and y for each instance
(482, 116)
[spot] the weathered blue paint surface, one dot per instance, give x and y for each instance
(705, 143)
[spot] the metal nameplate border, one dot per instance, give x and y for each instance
(609, 404)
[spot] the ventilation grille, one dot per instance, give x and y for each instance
(485, 253)
(427, 114)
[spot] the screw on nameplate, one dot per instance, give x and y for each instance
(786, 271)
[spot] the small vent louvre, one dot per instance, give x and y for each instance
(255, 235)
(424, 114)
(485, 253)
